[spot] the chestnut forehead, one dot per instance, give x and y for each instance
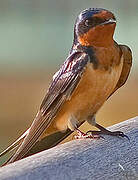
(101, 13)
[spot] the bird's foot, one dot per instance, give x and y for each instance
(107, 132)
(82, 135)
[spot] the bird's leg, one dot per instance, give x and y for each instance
(107, 132)
(73, 126)
(91, 120)
(82, 135)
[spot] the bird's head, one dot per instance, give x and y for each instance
(95, 27)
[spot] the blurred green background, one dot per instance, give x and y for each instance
(35, 38)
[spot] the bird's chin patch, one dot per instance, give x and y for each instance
(100, 35)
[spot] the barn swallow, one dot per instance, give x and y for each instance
(95, 68)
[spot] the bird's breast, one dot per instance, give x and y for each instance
(92, 91)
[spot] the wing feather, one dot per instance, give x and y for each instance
(62, 87)
(127, 64)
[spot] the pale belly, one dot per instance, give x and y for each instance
(93, 90)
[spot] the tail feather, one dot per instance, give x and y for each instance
(45, 143)
(15, 144)
(48, 142)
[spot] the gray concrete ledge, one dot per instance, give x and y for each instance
(112, 157)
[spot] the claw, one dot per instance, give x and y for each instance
(121, 134)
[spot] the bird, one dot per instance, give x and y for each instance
(95, 68)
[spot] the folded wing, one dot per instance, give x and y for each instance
(127, 58)
(63, 84)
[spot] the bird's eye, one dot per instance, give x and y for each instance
(93, 21)
(88, 22)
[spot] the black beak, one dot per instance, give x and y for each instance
(109, 21)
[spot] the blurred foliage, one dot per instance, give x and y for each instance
(35, 38)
